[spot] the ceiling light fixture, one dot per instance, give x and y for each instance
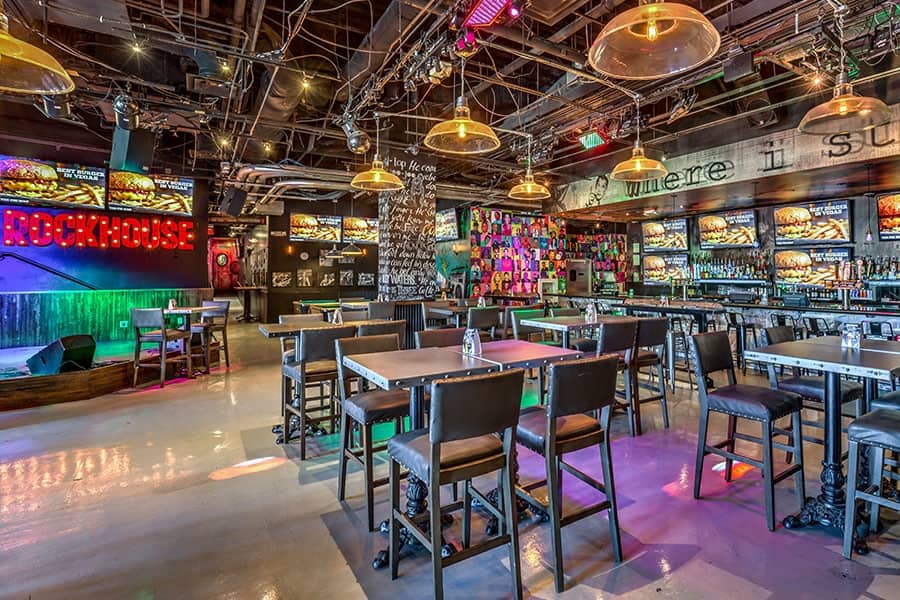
(333, 252)
(351, 249)
(845, 112)
(27, 69)
(376, 178)
(653, 40)
(127, 111)
(462, 135)
(593, 137)
(529, 189)
(486, 12)
(638, 167)
(358, 141)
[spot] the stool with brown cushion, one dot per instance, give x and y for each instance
(577, 387)
(711, 353)
(460, 444)
(651, 344)
(363, 410)
(213, 321)
(150, 328)
(440, 338)
(485, 319)
(315, 363)
(382, 310)
(385, 328)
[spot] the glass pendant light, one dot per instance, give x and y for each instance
(26, 69)
(638, 167)
(653, 40)
(351, 249)
(529, 189)
(376, 178)
(845, 112)
(333, 252)
(462, 135)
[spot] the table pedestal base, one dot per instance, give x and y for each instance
(817, 511)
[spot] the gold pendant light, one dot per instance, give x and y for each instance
(845, 112)
(529, 189)
(639, 167)
(462, 135)
(653, 40)
(376, 178)
(26, 69)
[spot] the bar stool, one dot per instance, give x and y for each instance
(676, 343)
(651, 343)
(507, 331)
(382, 310)
(620, 338)
(712, 354)
(880, 431)
(576, 387)
(782, 320)
(354, 315)
(153, 319)
(287, 343)
(213, 321)
(877, 330)
(440, 338)
(363, 410)
(385, 328)
(817, 327)
(526, 332)
(585, 344)
(315, 363)
(459, 445)
(740, 326)
(485, 319)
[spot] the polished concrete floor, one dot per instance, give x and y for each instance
(181, 493)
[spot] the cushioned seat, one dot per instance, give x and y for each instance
(890, 401)
(313, 368)
(878, 428)
(583, 344)
(412, 450)
(814, 388)
(753, 402)
(377, 405)
(532, 428)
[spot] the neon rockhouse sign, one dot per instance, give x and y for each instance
(85, 230)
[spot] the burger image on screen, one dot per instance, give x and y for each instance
(792, 266)
(131, 188)
(792, 222)
(713, 229)
(18, 175)
(304, 226)
(654, 268)
(358, 229)
(654, 235)
(889, 213)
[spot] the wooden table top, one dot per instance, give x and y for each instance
(570, 323)
(412, 368)
(888, 346)
(278, 330)
(510, 354)
(828, 356)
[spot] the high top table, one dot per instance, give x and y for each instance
(876, 360)
(457, 313)
(566, 325)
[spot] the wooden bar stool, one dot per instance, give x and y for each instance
(651, 344)
(150, 329)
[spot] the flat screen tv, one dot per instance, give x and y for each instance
(813, 223)
(733, 229)
(151, 193)
(360, 230)
(809, 266)
(446, 226)
(315, 228)
(889, 218)
(662, 268)
(29, 181)
(665, 236)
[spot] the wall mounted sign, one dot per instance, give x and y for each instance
(151, 193)
(889, 218)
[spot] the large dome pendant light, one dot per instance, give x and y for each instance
(462, 135)
(376, 178)
(26, 69)
(845, 112)
(653, 40)
(529, 189)
(638, 167)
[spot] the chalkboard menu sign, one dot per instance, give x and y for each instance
(665, 236)
(810, 266)
(734, 229)
(406, 219)
(889, 218)
(813, 222)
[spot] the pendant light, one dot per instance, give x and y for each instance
(869, 196)
(462, 135)
(333, 252)
(376, 178)
(529, 189)
(351, 249)
(638, 167)
(845, 112)
(653, 40)
(26, 69)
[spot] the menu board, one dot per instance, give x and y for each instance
(813, 222)
(151, 193)
(734, 229)
(315, 228)
(665, 236)
(360, 230)
(889, 218)
(809, 266)
(27, 181)
(666, 267)
(446, 226)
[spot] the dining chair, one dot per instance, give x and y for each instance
(651, 345)
(397, 327)
(382, 310)
(440, 338)
(287, 343)
(485, 319)
(213, 321)
(150, 329)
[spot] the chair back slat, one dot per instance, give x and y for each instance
(299, 319)
(561, 311)
(218, 309)
(382, 310)
(439, 338)
(362, 345)
(318, 344)
(146, 318)
(651, 333)
(616, 336)
(778, 335)
(711, 353)
(507, 316)
(385, 327)
(355, 315)
(467, 407)
(583, 385)
(483, 317)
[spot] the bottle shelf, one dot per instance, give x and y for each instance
(732, 281)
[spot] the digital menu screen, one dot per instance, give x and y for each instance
(445, 225)
(360, 230)
(151, 193)
(734, 229)
(316, 228)
(27, 181)
(889, 218)
(665, 236)
(812, 223)
(809, 266)
(662, 268)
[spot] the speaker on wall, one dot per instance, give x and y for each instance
(70, 353)
(132, 150)
(233, 201)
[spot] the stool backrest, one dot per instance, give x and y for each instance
(877, 329)
(521, 332)
(583, 385)
(467, 407)
(218, 309)
(507, 316)
(145, 318)
(780, 320)
(711, 353)
(298, 319)
(483, 318)
(816, 325)
(355, 315)
(559, 311)
(397, 328)
(361, 345)
(778, 335)
(318, 344)
(617, 336)
(652, 332)
(381, 310)
(734, 318)
(440, 338)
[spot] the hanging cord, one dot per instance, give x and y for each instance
(637, 120)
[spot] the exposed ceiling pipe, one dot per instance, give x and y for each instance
(537, 44)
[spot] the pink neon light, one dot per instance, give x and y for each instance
(485, 13)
